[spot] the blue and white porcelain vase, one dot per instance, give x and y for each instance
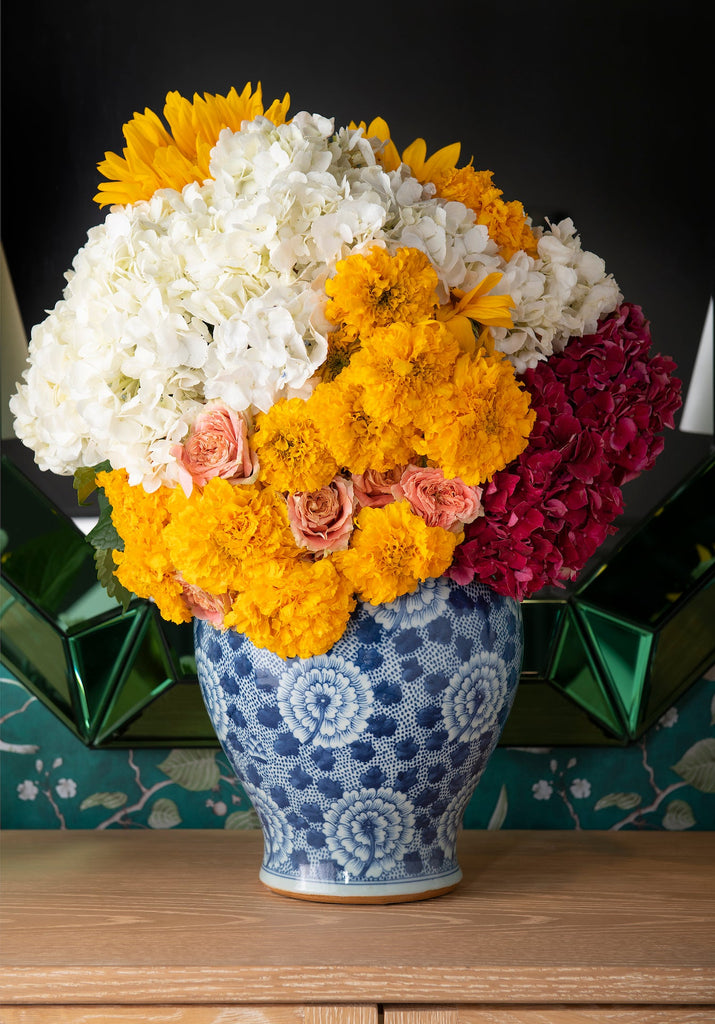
(360, 762)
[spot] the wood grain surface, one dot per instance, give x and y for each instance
(188, 1014)
(179, 917)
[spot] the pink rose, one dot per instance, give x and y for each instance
(203, 605)
(373, 489)
(440, 502)
(216, 446)
(322, 520)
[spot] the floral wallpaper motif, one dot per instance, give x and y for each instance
(664, 781)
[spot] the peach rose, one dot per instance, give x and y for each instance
(322, 520)
(216, 446)
(373, 489)
(203, 605)
(440, 502)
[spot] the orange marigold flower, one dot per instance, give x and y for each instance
(342, 343)
(217, 534)
(393, 550)
(296, 609)
(357, 440)
(506, 222)
(145, 566)
(375, 289)
(291, 451)
(155, 157)
(403, 370)
(484, 424)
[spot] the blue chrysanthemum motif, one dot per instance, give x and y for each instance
(325, 701)
(450, 824)
(368, 831)
(474, 696)
(213, 696)
(413, 610)
(277, 831)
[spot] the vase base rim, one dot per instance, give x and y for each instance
(330, 892)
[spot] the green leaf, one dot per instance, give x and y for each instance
(678, 816)
(499, 813)
(624, 801)
(164, 814)
(105, 565)
(84, 481)
(242, 820)
(104, 533)
(111, 801)
(195, 770)
(697, 766)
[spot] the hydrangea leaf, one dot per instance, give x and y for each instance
(111, 801)
(194, 770)
(678, 816)
(697, 766)
(105, 565)
(624, 801)
(84, 481)
(242, 820)
(164, 814)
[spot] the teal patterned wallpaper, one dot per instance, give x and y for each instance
(664, 781)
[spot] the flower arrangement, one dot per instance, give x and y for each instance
(305, 369)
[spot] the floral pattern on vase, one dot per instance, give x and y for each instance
(360, 762)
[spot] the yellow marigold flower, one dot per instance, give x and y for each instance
(295, 609)
(134, 510)
(155, 157)
(342, 343)
(403, 370)
(392, 550)
(506, 222)
(484, 425)
(290, 449)
(145, 567)
(218, 533)
(375, 289)
(141, 570)
(357, 441)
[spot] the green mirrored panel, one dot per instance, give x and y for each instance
(602, 660)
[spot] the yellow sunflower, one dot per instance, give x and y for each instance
(155, 157)
(506, 222)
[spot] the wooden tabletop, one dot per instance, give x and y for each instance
(180, 916)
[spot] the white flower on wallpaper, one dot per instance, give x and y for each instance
(58, 783)
(542, 790)
(66, 788)
(580, 788)
(27, 790)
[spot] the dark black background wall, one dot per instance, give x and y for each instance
(601, 111)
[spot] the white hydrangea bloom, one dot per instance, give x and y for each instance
(561, 294)
(217, 293)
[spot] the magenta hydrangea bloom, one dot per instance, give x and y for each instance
(600, 406)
